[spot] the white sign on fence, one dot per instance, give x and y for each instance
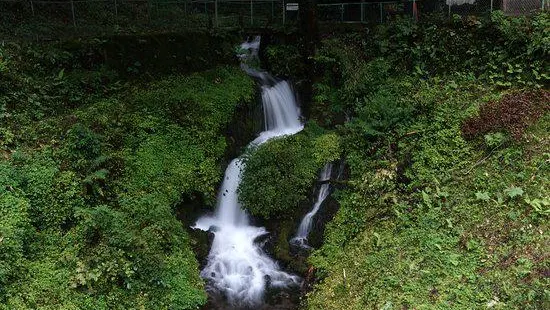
(292, 6)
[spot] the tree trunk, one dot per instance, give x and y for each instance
(309, 34)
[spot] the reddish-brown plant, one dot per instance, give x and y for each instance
(513, 113)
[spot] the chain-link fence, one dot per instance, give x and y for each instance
(366, 12)
(75, 12)
(45, 18)
(482, 7)
(51, 17)
(238, 13)
(383, 11)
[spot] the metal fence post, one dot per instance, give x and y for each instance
(116, 8)
(362, 10)
(284, 12)
(449, 9)
(381, 18)
(216, 13)
(251, 13)
(32, 8)
(72, 10)
(342, 12)
(492, 5)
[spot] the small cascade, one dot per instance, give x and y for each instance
(237, 266)
(300, 239)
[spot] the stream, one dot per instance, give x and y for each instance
(237, 267)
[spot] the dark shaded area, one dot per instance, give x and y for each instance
(243, 128)
(169, 52)
(275, 300)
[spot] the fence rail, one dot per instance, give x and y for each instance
(366, 12)
(510, 7)
(98, 15)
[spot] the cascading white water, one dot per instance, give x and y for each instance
(305, 225)
(281, 114)
(237, 266)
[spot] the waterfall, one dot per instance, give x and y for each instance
(237, 266)
(305, 225)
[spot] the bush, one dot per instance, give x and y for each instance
(173, 163)
(381, 112)
(15, 233)
(285, 61)
(506, 51)
(90, 220)
(513, 114)
(346, 80)
(280, 172)
(202, 103)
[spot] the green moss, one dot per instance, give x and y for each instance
(15, 230)
(280, 172)
(285, 60)
(96, 227)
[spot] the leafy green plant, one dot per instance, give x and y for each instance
(285, 60)
(15, 232)
(484, 196)
(425, 203)
(513, 192)
(494, 140)
(4, 61)
(279, 173)
(540, 205)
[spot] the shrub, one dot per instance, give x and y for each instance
(203, 103)
(173, 163)
(513, 114)
(382, 111)
(504, 50)
(285, 60)
(15, 230)
(279, 173)
(82, 145)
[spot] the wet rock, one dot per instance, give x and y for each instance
(200, 243)
(324, 216)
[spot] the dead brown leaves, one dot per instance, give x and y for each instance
(512, 114)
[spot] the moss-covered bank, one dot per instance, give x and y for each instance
(91, 176)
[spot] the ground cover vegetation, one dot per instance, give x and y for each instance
(447, 203)
(443, 126)
(291, 164)
(53, 20)
(92, 169)
(444, 129)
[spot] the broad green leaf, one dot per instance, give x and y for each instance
(513, 191)
(454, 259)
(482, 196)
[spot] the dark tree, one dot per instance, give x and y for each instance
(309, 32)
